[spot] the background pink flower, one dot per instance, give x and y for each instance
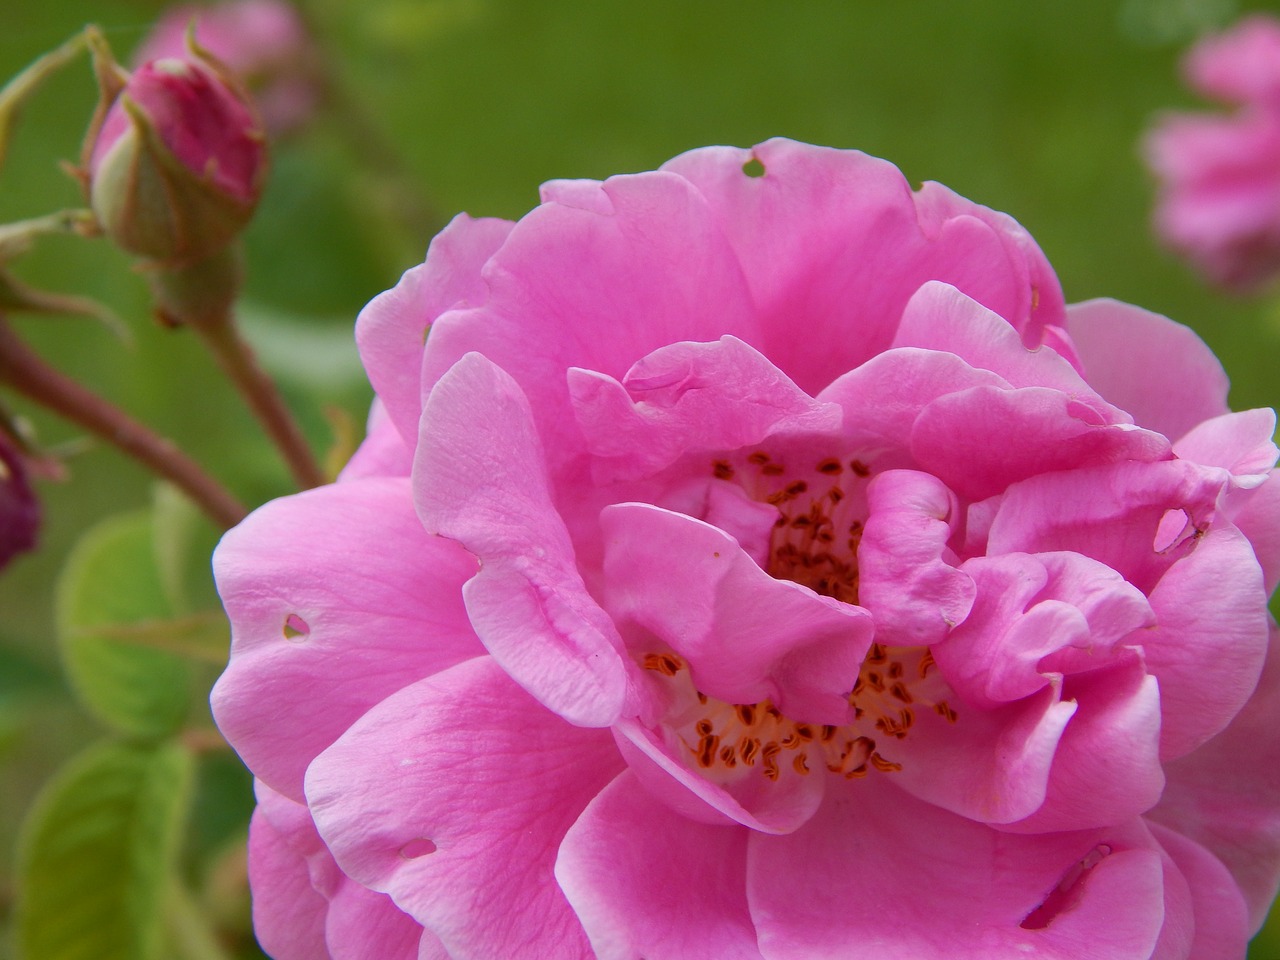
(761, 561)
(1219, 174)
(264, 41)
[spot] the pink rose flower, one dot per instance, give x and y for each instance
(760, 561)
(179, 163)
(264, 41)
(1219, 174)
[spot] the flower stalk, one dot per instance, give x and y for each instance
(28, 374)
(201, 296)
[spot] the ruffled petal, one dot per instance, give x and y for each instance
(1239, 443)
(834, 243)
(1223, 795)
(746, 636)
(860, 877)
(661, 764)
(479, 478)
(982, 440)
(288, 913)
(453, 796)
(355, 923)
(390, 331)
(915, 595)
(641, 255)
(1159, 371)
(307, 581)
(1210, 638)
(1220, 926)
(689, 397)
(646, 882)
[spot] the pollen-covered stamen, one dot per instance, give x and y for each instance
(726, 740)
(815, 539)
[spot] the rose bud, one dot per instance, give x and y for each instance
(178, 164)
(19, 508)
(264, 42)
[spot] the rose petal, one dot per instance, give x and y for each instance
(746, 636)
(464, 839)
(479, 480)
(646, 882)
(865, 872)
(390, 331)
(912, 591)
(305, 583)
(689, 397)
(1157, 370)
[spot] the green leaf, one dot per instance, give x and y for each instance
(183, 542)
(112, 611)
(96, 854)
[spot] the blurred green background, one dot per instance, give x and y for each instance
(1030, 108)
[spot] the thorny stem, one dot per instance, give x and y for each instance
(259, 391)
(23, 370)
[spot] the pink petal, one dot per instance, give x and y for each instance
(880, 874)
(343, 573)
(1222, 795)
(1157, 370)
(912, 591)
(883, 398)
(1239, 443)
(1256, 513)
(1241, 63)
(746, 636)
(383, 452)
(479, 479)
(1221, 927)
(1110, 513)
(645, 258)
(464, 839)
(834, 243)
(662, 768)
(288, 913)
(391, 329)
(982, 440)
(1106, 768)
(989, 766)
(1034, 616)
(355, 922)
(1210, 639)
(940, 317)
(689, 397)
(646, 882)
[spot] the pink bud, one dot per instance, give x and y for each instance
(179, 163)
(263, 41)
(19, 509)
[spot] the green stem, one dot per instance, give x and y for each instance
(24, 370)
(201, 296)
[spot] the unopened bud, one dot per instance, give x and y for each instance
(19, 509)
(178, 164)
(265, 42)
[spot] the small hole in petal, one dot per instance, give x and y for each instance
(1174, 527)
(419, 847)
(753, 168)
(295, 628)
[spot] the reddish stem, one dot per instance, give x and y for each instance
(24, 370)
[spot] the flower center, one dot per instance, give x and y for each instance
(816, 536)
(726, 740)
